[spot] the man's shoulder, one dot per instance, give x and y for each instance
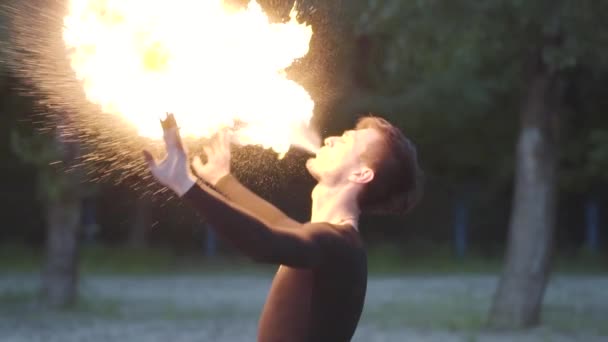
(335, 234)
(330, 227)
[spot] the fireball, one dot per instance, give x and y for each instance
(212, 65)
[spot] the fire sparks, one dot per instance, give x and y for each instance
(212, 65)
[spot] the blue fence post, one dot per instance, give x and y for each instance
(592, 222)
(460, 226)
(210, 242)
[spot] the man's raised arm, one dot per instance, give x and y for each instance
(261, 241)
(217, 173)
(258, 239)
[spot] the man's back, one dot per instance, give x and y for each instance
(320, 304)
(319, 290)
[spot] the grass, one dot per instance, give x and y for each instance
(563, 318)
(122, 260)
(458, 315)
(439, 259)
(13, 298)
(388, 259)
(383, 260)
(18, 257)
(447, 313)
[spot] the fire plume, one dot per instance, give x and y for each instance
(212, 65)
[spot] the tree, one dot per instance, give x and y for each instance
(561, 31)
(142, 221)
(521, 288)
(61, 190)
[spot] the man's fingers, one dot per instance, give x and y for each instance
(215, 142)
(209, 152)
(173, 140)
(169, 121)
(150, 160)
(197, 165)
(224, 142)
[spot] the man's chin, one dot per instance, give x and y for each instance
(311, 168)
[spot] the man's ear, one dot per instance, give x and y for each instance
(362, 176)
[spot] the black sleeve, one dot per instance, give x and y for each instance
(261, 241)
(239, 194)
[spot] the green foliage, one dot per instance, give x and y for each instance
(459, 68)
(598, 153)
(584, 141)
(38, 150)
(35, 143)
(389, 259)
(473, 50)
(47, 156)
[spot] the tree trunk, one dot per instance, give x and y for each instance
(60, 276)
(63, 193)
(141, 223)
(518, 299)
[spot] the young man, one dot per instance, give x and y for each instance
(319, 289)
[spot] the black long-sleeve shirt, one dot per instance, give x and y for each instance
(319, 290)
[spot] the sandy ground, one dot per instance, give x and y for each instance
(226, 307)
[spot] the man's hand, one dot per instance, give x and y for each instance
(218, 159)
(173, 171)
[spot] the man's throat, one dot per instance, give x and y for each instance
(334, 207)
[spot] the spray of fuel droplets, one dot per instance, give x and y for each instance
(109, 69)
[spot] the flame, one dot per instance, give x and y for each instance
(212, 65)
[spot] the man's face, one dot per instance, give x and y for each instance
(339, 158)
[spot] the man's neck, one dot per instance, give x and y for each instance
(335, 205)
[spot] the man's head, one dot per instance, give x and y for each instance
(376, 159)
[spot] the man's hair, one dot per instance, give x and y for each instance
(397, 183)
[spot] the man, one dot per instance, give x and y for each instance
(319, 289)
